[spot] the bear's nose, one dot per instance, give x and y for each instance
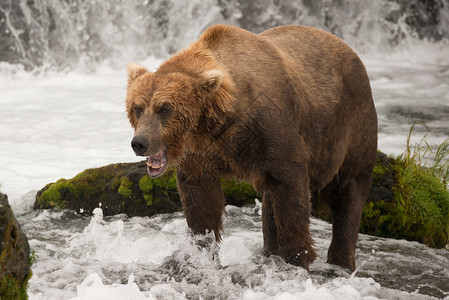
(140, 145)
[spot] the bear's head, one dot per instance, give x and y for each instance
(170, 109)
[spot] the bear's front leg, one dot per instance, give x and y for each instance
(270, 236)
(202, 200)
(291, 212)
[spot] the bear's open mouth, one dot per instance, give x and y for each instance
(157, 164)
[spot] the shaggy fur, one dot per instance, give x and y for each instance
(289, 110)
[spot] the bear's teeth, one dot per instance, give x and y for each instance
(155, 166)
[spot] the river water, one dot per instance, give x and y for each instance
(57, 122)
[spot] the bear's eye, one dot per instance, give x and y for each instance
(137, 111)
(164, 112)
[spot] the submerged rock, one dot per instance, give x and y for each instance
(404, 201)
(14, 255)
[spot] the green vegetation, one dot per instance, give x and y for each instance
(125, 188)
(11, 288)
(156, 190)
(52, 197)
(238, 193)
(33, 258)
(417, 207)
(436, 162)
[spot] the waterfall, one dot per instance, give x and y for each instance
(67, 33)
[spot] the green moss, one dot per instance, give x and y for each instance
(238, 193)
(146, 184)
(85, 182)
(148, 199)
(125, 188)
(419, 208)
(172, 183)
(379, 171)
(166, 182)
(52, 196)
(88, 174)
(369, 211)
(84, 185)
(159, 182)
(11, 288)
(155, 190)
(427, 200)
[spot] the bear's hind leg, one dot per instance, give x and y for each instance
(348, 196)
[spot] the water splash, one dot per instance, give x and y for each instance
(388, 269)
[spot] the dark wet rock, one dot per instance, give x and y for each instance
(14, 255)
(118, 188)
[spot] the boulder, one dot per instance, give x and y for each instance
(117, 188)
(14, 255)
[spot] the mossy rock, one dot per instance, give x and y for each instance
(14, 255)
(407, 202)
(126, 188)
(120, 188)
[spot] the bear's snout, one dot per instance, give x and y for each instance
(140, 145)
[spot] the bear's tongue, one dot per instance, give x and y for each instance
(156, 164)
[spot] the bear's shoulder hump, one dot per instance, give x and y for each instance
(217, 34)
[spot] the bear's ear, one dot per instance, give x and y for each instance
(213, 80)
(134, 70)
(220, 88)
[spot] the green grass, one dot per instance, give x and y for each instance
(424, 155)
(10, 288)
(425, 180)
(419, 209)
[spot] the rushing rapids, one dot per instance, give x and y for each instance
(62, 87)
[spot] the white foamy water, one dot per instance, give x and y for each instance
(55, 125)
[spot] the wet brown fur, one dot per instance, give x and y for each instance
(289, 111)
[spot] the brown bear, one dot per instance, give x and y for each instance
(289, 110)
